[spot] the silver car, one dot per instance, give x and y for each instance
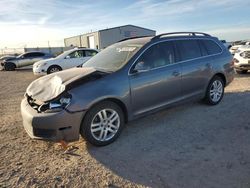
(23, 60)
(125, 81)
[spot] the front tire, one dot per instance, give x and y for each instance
(9, 66)
(215, 91)
(53, 68)
(103, 123)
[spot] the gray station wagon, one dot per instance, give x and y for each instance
(125, 81)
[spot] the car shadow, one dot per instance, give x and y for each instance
(242, 75)
(191, 145)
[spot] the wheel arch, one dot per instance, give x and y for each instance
(222, 76)
(116, 101)
(54, 65)
(10, 62)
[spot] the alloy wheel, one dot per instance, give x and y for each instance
(105, 124)
(216, 91)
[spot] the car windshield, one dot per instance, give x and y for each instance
(20, 55)
(113, 57)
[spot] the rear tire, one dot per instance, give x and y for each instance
(215, 91)
(9, 66)
(103, 123)
(53, 68)
(241, 71)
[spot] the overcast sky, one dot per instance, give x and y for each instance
(35, 22)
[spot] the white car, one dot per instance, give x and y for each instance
(235, 48)
(242, 60)
(68, 59)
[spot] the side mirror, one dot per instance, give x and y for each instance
(67, 57)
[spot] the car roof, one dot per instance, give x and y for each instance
(74, 49)
(175, 35)
(34, 52)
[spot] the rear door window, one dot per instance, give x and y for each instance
(28, 55)
(212, 47)
(37, 54)
(203, 48)
(188, 49)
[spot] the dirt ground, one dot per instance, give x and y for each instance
(192, 145)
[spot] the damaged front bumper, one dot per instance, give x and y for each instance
(54, 126)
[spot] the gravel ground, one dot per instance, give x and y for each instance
(192, 145)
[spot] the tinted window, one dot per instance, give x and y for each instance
(28, 55)
(158, 55)
(189, 49)
(37, 54)
(77, 54)
(203, 48)
(211, 46)
(90, 52)
(33, 54)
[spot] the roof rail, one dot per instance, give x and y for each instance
(135, 38)
(179, 33)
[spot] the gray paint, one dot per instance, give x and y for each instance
(143, 92)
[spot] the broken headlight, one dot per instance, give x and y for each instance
(59, 104)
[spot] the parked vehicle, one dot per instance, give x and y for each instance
(234, 48)
(68, 59)
(26, 59)
(125, 81)
(242, 60)
(5, 58)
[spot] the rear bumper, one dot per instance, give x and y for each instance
(51, 126)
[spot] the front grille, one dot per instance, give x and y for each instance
(247, 55)
(38, 107)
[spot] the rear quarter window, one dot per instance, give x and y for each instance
(211, 47)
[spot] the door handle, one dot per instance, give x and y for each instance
(176, 73)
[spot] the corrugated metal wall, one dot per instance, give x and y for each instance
(110, 36)
(106, 37)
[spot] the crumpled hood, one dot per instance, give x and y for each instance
(49, 87)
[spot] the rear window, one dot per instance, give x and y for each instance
(189, 49)
(211, 47)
